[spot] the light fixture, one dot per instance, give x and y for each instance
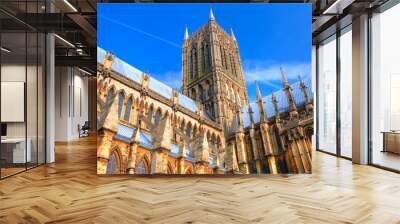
(70, 5)
(5, 50)
(84, 71)
(64, 40)
(80, 51)
(337, 7)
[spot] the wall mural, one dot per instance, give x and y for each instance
(213, 116)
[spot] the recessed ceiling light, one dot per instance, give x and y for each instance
(70, 5)
(84, 71)
(64, 40)
(5, 50)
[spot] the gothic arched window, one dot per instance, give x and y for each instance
(233, 66)
(201, 93)
(204, 58)
(128, 109)
(150, 114)
(157, 117)
(194, 131)
(120, 103)
(193, 95)
(213, 144)
(109, 95)
(208, 91)
(188, 132)
(189, 66)
(208, 56)
(112, 166)
(221, 50)
(212, 109)
(142, 167)
(194, 63)
(170, 170)
(225, 60)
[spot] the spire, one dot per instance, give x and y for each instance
(186, 33)
(211, 17)
(284, 78)
(232, 34)
(299, 77)
(307, 101)
(259, 96)
(260, 103)
(251, 114)
(303, 88)
(289, 95)
(275, 103)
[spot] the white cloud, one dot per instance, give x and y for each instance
(264, 72)
(172, 78)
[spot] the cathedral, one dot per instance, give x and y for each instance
(207, 127)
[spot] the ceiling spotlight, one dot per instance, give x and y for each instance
(64, 40)
(84, 71)
(5, 50)
(70, 5)
(79, 51)
(337, 7)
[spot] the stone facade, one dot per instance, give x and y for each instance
(143, 132)
(146, 127)
(212, 72)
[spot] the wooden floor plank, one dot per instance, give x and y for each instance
(69, 191)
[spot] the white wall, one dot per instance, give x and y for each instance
(71, 103)
(16, 73)
(33, 126)
(80, 103)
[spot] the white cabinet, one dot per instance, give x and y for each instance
(17, 146)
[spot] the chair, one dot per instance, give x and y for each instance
(84, 130)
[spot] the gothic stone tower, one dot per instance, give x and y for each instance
(212, 72)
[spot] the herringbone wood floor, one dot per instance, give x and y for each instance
(69, 191)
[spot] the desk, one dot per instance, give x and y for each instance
(13, 150)
(391, 141)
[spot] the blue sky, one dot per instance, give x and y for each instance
(150, 36)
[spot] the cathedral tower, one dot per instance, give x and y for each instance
(212, 72)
